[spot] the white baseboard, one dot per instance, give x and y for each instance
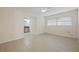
(11, 39)
(62, 35)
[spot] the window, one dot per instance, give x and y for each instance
(27, 22)
(62, 21)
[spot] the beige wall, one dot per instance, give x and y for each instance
(6, 24)
(78, 23)
(67, 31)
(11, 24)
(33, 25)
(19, 24)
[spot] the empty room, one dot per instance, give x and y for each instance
(39, 29)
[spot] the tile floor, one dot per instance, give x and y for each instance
(41, 43)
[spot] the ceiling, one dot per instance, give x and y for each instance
(37, 10)
(34, 10)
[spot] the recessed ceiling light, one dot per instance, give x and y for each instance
(43, 9)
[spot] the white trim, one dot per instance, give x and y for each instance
(61, 35)
(10, 40)
(15, 38)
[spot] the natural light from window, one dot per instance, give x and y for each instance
(61, 21)
(27, 22)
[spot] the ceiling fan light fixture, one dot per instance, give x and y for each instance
(43, 10)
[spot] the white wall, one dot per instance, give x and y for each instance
(78, 24)
(6, 24)
(40, 24)
(11, 24)
(64, 30)
(33, 25)
(19, 24)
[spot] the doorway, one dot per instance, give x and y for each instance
(27, 24)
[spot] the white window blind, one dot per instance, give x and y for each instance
(62, 21)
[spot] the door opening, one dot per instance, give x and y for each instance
(27, 24)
